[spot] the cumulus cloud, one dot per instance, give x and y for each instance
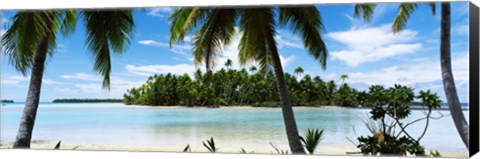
(183, 49)
(13, 80)
(81, 76)
(160, 12)
(372, 44)
(66, 91)
(228, 52)
(148, 70)
(118, 86)
(421, 74)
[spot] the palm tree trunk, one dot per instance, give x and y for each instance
(447, 75)
(288, 117)
(24, 134)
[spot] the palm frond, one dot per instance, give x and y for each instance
(187, 148)
(57, 147)
(184, 20)
(432, 7)
(405, 9)
(307, 23)
(313, 138)
(107, 30)
(364, 10)
(256, 25)
(210, 145)
(27, 31)
(69, 22)
(217, 31)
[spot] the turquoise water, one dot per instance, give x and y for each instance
(120, 125)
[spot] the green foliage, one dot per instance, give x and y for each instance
(238, 87)
(279, 151)
(187, 148)
(393, 105)
(75, 100)
(57, 146)
(6, 101)
(313, 138)
(435, 154)
(244, 151)
(210, 145)
(107, 32)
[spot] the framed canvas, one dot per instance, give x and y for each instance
(356, 79)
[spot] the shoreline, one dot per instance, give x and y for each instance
(322, 150)
(266, 107)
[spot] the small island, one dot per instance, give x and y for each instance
(86, 100)
(6, 101)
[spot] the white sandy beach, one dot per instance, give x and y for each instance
(335, 150)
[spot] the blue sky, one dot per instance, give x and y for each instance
(368, 52)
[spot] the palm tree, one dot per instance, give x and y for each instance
(257, 43)
(228, 63)
(32, 37)
(298, 71)
(253, 69)
(405, 9)
(343, 77)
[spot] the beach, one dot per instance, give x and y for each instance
(333, 150)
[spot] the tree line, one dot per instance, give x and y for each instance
(86, 100)
(227, 87)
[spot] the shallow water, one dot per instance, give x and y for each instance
(250, 128)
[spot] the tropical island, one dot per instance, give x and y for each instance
(87, 100)
(230, 87)
(6, 101)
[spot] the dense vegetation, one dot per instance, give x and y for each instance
(233, 87)
(390, 107)
(6, 101)
(241, 87)
(74, 100)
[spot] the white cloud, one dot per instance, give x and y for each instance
(118, 86)
(153, 43)
(13, 80)
(372, 44)
(66, 91)
(418, 72)
(81, 76)
(23, 80)
(148, 70)
(293, 43)
(421, 74)
(160, 12)
(461, 29)
(228, 52)
(49, 82)
(179, 49)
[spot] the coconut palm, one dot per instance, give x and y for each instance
(298, 71)
(32, 36)
(253, 69)
(228, 63)
(343, 77)
(257, 43)
(405, 10)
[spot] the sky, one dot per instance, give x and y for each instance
(369, 53)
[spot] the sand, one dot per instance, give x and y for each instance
(333, 150)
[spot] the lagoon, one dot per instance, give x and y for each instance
(114, 124)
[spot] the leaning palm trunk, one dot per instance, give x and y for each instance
(287, 111)
(447, 75)
(27, 121)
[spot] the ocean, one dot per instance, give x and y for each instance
(250, 128)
